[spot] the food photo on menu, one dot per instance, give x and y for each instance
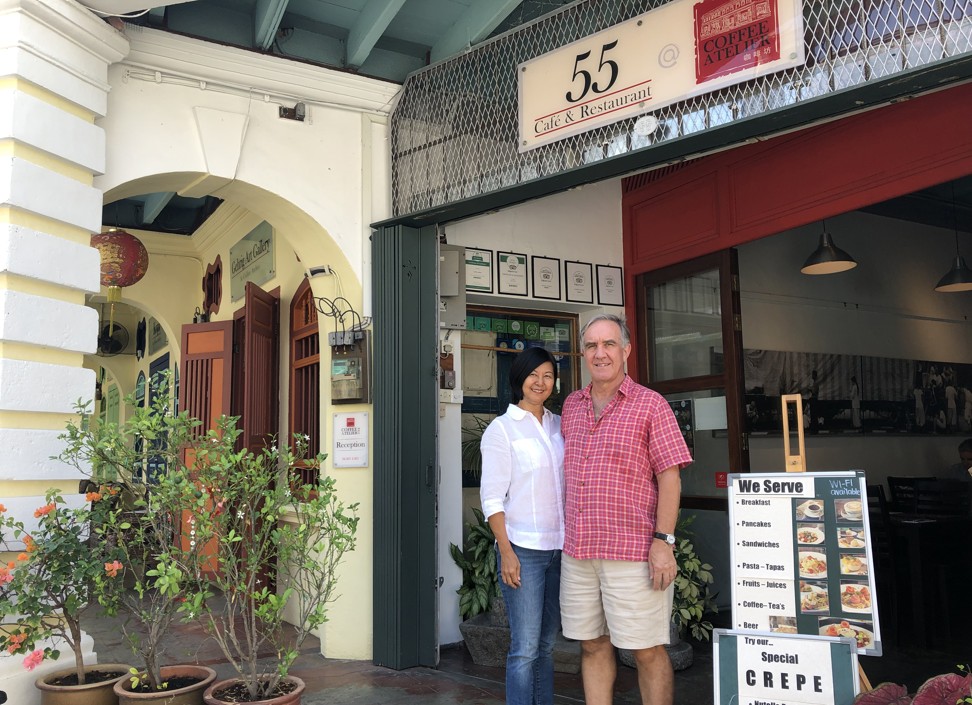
(810, 534)
(813, 563)
(851, 537)
(853, 564)
(813, 597)
(810, 510)
(855, 596)
(859, 630)
(849, 509)
(782, 625)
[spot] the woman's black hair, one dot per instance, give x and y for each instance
(525, 363)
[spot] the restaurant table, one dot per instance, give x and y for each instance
(928, 543)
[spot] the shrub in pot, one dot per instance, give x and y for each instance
(65, 572)
(944, 689)
(158, 564)
(258, 520)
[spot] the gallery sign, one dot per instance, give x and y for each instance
(252, 260)
(674, 52)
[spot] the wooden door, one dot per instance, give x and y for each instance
(260, 368)
(204, 392)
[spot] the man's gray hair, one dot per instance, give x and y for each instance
(619, 320)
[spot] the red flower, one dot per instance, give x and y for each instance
(33, 659)
(46, 509)
(92, 496)
(112, 568)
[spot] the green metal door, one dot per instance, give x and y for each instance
(405, 272)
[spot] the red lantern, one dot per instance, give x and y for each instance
(124, 261)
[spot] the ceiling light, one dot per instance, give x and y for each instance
(827, 258)
(959, 277)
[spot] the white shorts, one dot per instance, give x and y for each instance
(599, 597)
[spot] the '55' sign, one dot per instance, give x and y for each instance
(589, 84)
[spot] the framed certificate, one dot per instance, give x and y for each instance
(479, 270)
(610, 285)
(512, 273)
(546, 278)
(578, 278)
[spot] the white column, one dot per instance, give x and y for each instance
(54, 59)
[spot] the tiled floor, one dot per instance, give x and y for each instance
(458, 680)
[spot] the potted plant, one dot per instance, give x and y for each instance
(692, 600)
(64, 572)
(480, 586)
(943, 689)
(259, 522)
(158, 564)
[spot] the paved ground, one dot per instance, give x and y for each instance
(458, 680)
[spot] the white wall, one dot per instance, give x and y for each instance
(199, 119)
(582, 225)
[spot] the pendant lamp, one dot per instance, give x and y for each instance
(959, 277)
(827, 258)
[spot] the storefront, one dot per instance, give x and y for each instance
(727, 191)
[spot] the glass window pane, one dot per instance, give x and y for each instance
(701, 417)
(686, 327)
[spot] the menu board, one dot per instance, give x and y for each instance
(801, 556)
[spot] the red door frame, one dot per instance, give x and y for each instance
(761, 189)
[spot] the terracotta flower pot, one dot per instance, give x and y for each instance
(292, 698)
(189, 695)
(101, 693)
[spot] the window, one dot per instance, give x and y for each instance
(305, 376)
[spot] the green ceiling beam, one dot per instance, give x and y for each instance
(266, 21)
(374, 19)
(474, 26)
(154, 203)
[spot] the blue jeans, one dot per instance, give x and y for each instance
(534, 611)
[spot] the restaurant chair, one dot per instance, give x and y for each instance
(944, 498)
(882, 548)
(904, 493)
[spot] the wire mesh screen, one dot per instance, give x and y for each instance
(454, 131)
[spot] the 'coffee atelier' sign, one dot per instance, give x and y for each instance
(674, 52)
(801, 559)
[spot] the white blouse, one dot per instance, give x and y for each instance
(523, 476)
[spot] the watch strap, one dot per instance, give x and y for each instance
(667, 538)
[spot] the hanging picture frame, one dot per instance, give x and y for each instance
(578, 283)
(546, 278)
(610, 285)
(479, 270)
(511, 273)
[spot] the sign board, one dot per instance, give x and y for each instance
(350, 440)
(782, 669)
(157, 339)
(800, 555)
(252, 260)
(674, 52)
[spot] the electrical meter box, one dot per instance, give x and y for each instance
(350, 366)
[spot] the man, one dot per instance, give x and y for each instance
(963, 469)
(623, 454)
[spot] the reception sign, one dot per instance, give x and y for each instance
(679, 50)
(780, 669)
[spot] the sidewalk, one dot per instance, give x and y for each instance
(458, 680)
(340, 682)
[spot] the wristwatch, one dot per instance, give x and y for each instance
(667, 538)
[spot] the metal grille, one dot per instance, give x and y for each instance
(454, 131)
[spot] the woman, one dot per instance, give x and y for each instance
(522, 492)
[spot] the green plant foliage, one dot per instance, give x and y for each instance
(472, 458)
(693, 599)
(254, 519)
(478, 562)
